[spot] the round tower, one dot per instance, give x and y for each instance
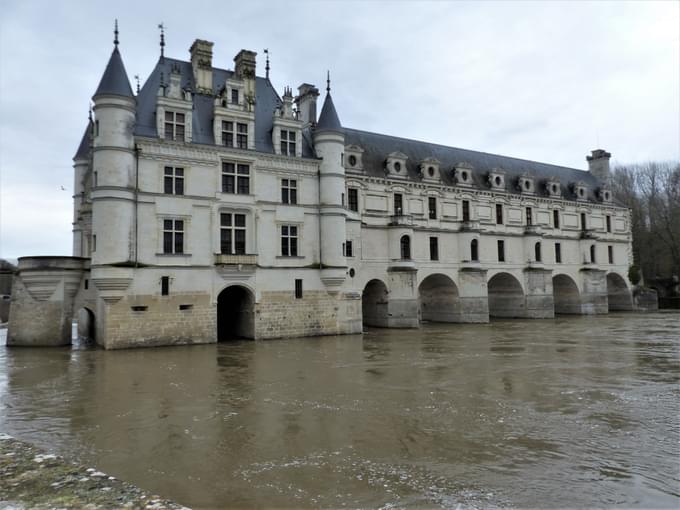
(113, 166)
(81, 166)
(329, 143)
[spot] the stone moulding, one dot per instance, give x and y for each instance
(111, 290)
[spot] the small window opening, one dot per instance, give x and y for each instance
(186, 307)
(165, 285)
(139, 308)
(298, 289)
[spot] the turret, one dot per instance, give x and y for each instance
(113, 163)
(329, 143)
(81, 167)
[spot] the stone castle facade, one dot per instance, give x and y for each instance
(207, 207)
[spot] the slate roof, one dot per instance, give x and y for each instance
(83, 151)
(266, 101)
(115, 80)
(377, 147)
(329, 117)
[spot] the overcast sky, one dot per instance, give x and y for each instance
(546, 81)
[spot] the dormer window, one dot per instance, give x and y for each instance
(605, 195)
(396, 164)
(227, 133)
(581, 191)
(462, 174)
(234, 96)
(429, 169)
(497, 179)
(174, 125)
(526, 184)
(553, 187)
(241, 135)
(288, 141)
(353, 159)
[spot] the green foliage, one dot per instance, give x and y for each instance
(634, 274)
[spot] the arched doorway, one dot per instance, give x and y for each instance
(566, 295)
(86, 327)
(235, 314)
(506, 298)
(438, 299)
(374, 304)
(618, 295)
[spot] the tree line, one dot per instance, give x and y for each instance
(652, 192)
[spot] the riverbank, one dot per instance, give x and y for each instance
(32, 478)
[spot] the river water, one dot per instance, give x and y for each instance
(571, 412)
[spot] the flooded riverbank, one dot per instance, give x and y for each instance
(577, 411)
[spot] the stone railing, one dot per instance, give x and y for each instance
(404, 220)
(233, 260)
(533, 230)
(588, 233)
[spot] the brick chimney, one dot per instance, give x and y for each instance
(598, 164)
(201, 63)
(306, 103)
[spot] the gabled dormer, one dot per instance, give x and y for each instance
(553, 187)
(462, 174)
(174, 107)
(234, 106)
(604, 194)
(286, 128)
(580, 190)
(526, 184)
(497, 179)
(395, 164)
(429, 170)
(354, 157)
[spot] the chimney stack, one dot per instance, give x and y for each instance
(244, 69)
(306, 103)
(598, 164)
(201, 63)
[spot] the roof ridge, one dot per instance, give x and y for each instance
(462, 149)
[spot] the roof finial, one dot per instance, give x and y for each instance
(137, 79)
(266, 68)
(328, 82)
(115, 34)
(162, 27)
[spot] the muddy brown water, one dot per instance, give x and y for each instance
(576, 411)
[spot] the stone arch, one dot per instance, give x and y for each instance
(618, 294)
(566, 295)
(86, 325)
(235, 313)
(374, 304)
(438, 299)
(506, 297)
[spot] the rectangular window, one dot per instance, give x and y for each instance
(434, 248)
(466, 210)
(288, 142)
(348, 249)
(289, 191)
(499, 214)
(94, 242)
(609, 223)
(353, 199)
(558, 253)
(232, 234)
(235, 178)
(583, 221)
(228, 133)
(234, 96)
(610, 253)
(241, 135)
(165, 285)
(556, 218)
(289, 240)
(298, 289)
(173, 181)
(398, 204)
(173, 236)
(174, 126)
(529, 216)
(501, 251)
(432, 207)
(86, 284)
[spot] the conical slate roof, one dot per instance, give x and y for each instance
(329, 117)
(115, 80)
(83, 151)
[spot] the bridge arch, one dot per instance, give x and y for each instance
(235, 313)
(85, 325)
(374, 303)
(438, 299)
(566, 295)
(619, 296)
(506, 297)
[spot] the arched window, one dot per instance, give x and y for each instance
(537, 249)
(474, 252)
(405, 247)
(592, 253)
